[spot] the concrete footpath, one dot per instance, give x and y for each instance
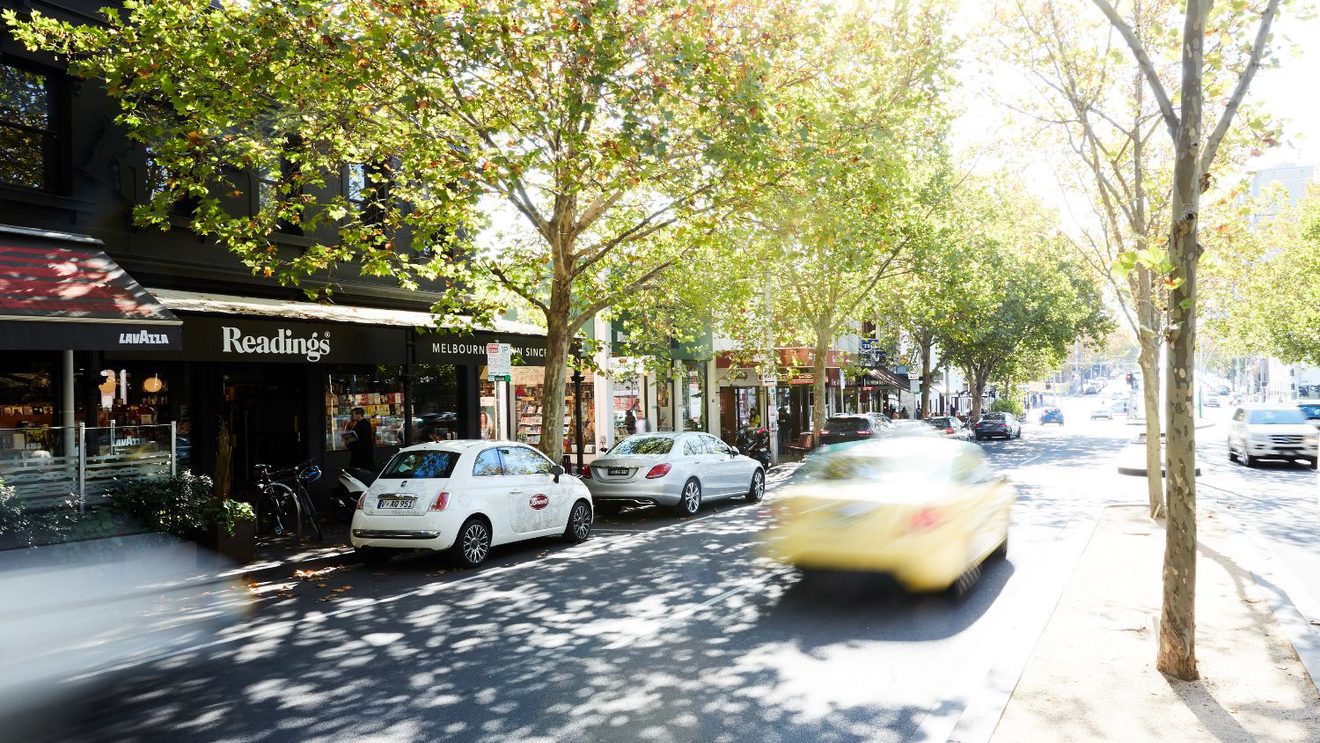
(1092, 673)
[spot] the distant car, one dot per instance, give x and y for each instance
(853, 427)
(1211, 401)
(997, 424)
(951, 427)
(1101, 413)
(1051, 415)
(1091, 389)
(467, 496)
(1311, 409)
(926, 511)
(1256, 433)
(1119, 406)
(675, 470)
(1223, 389)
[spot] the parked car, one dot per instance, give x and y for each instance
(997, 424)
(1256, 433)
(853, 427)
(1311, 409)
(467, 496)
(1211, 401)
(676, 470)
(1051, 415)
(1102, 413)
(925, 510)
(951, 427)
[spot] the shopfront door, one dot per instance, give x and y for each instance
(265, 406)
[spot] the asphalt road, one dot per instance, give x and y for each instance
(656, 629)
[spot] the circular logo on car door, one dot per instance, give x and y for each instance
(538, 501)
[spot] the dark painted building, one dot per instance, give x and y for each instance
(105, 324)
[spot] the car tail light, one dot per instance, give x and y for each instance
(927, 518)
(660, 470)
(866, 432)
(949, 429)
(586, 472)
(361, 500)
(824, 431)
(441, 501)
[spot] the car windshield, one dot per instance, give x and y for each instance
(424, 464)
(913, 460)
(939, 422)
(1276, 416)
(846, 424)
(993, 417)
(644, 445)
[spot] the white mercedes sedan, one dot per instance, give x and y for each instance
(677, 470)
(467, 496)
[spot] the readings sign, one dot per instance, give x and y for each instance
(499, 362)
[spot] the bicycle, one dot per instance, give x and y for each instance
(283, 501)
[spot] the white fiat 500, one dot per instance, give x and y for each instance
(467, 496)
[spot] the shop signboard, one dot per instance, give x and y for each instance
(261, 340)
(470, 348)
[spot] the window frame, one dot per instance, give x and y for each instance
(54, 137)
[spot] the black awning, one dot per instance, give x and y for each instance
(62, 292)
(884, 379)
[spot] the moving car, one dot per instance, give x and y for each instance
(467, 496)
(855, 427)
(1102, 413)
(951, 427)
(1256, 433)
(679, 470)
(997, 424)
(1211, 401)
(1310, 409)
(1051, 415)
(926, 510)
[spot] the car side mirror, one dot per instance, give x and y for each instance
(557, 470)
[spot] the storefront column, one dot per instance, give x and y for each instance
(68, 416)
(711, 393)
(469, 401)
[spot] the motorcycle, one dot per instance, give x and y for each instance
(755, 443)
(353, 482)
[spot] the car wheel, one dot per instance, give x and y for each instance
(978, 437)
(757, 491)
(1001, 552)
(608, 508)
(689, 502)
(373, 556)
(579, 523)
(1250, 461)
(473, 543)
(963, 586)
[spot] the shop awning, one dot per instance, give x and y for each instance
(225, 304)
(884, 379)
(62, 292)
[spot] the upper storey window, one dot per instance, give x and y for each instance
(27, 129)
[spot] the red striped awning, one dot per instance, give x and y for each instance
(65, 293)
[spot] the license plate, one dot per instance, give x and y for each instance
(386, 504)
(617, 471)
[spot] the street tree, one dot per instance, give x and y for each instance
(1243, 30)
(865, 132)
(620, 132)
(1017, 302)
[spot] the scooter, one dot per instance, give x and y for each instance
(353, 482)
(755, 443)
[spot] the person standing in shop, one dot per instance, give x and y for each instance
(361, 442)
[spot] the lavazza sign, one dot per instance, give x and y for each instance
(143, 338)
(283, 343)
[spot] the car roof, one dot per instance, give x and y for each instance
(459, 445)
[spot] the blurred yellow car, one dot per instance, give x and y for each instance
(927, 511)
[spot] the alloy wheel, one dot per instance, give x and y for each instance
(691, 498)
(580, 522)
(758, 487)
(476, 542)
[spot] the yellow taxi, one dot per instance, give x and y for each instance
(927, 511)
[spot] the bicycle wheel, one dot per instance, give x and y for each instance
(309, 511)
(280, 510)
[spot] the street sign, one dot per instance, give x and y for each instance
(916, 384)
(499, 362)
(769, 380)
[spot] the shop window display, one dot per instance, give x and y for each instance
(378, 391)
(27, 408)
(530, 412)
(435, 403)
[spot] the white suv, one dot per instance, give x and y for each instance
(1271, 433)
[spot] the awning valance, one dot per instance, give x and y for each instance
(62, 292)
